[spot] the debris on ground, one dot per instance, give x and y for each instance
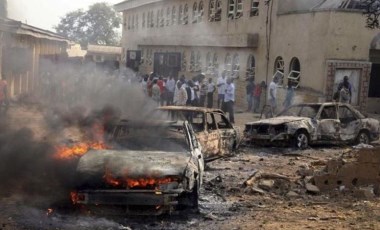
(352, 170)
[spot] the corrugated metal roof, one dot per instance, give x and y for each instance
(18, 27)
(104, 49)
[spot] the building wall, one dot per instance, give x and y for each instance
(313, 38)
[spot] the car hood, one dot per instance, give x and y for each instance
(134, 164)
(278, 120)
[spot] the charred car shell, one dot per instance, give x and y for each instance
(217, 136)
(142, 180)
(319, 123)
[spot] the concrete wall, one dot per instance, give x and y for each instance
(312, 37)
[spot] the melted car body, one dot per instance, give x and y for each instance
(152, 168)
(218, 137)
(324, 123)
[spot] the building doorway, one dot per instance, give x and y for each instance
(167, 64)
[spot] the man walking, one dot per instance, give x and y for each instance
(221, 84)
(229, 99)
(249, 92)
(210, 93)
(170, 87)
(272, 94)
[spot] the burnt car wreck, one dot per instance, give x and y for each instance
(217, 136)
(318, 123)
(153, 168)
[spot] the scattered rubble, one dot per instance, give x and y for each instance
(353, 169)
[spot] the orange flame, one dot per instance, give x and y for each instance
(78, 150)
(49, 212)
(137, 183)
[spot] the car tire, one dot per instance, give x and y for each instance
(301, 139)
(194, 197)
(363, 138)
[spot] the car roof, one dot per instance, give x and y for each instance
(190, 108)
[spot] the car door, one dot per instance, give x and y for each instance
(349, 123)
(196, 149)
(211, 138)
(227, 134)
(328, 124)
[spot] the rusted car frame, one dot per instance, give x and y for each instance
(139, 177)
(317, 123)
(218, 137)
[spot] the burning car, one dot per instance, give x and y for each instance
(153, 168)
(319, 123)
(214, 131)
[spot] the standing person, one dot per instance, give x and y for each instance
(170, 88)
(156, 92)
(144, 85)
(272, 94)
(221, 84)
(257, 96)
(249, 92)
(3, 93)
(289, 95)
(196, 88)
(181, 96)
(210, 93)
(161, 84)
(229, 99)
(345, 90)
(202, 91)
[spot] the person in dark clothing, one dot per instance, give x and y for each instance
(210, 93)
(249, 92)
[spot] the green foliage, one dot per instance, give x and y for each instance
(95, 26)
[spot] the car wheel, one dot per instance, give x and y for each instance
(363, 138)
(194, 197)
(301, 140)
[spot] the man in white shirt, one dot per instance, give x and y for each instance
(229, 99)
(272, 94)
(210, 93)
(221, 84)
(170, 88)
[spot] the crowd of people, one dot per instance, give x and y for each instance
(198, 91)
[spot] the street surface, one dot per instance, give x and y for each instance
(226, 201)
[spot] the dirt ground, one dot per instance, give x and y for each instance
(226, 201)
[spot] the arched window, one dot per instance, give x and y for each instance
(215, 61)
(162, 19)
(215, 10)
(279, 68)
(152, 19)
(158, 18)
(129, 22)
(137, 21)
(168, 17)
(209, 62)
(194, 17)
(235, 9)
(251, 67)
(228, 64)
(192, 61)
(185, 15)
(198, 63)
(200, 11)
(184, 61)
(133, 22)
(235, 66)
(174, 15)
(180, 15)
(294, 76)
(254, 11)
(143, 20)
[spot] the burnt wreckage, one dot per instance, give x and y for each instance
(153, 168)
(217, 136)
(318, 123)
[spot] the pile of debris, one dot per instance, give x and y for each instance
(356, 171)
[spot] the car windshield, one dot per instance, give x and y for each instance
(309, 111)
(161, 138)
